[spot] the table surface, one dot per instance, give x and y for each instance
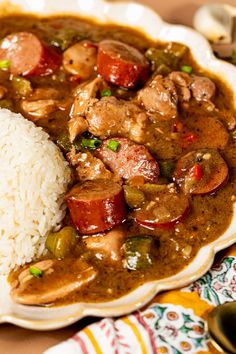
(17, 340)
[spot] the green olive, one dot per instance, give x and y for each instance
(60, 243)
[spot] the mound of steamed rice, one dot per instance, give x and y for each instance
(33, 180)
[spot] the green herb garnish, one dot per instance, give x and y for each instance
(36, 272)
(113, 145)
(186, 69)
(91, 143)
(4, 64)
(106, 93)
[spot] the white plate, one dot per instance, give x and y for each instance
(146, 20)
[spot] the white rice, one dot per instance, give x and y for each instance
(33, 180)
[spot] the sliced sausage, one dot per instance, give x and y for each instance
(121, 64)
(80, 59)
(210, 133)
(28, 56)
(109, 245)
(203, 89)
(96, 206)
(201, 172)
(163, 210)
(130, 160)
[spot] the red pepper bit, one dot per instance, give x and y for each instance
(196, 172)
(187, 139)
(190, 137)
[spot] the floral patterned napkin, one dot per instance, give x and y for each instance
(173, 324)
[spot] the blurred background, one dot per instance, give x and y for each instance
(178, 11)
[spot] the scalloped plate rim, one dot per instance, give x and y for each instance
(38, 318)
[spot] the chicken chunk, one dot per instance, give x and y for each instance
(159, 97)
(42, 102)
(182, 83)
(76, 126)
(203, 89)
(83, 95)
(111, 117)
(39, 109)
(88, 167)
(45, 93)
(50, 287)
(109, 245)
(200, 88)
(44, 266)
(80, 59)
(105, 117)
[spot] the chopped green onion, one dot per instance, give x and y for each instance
(186, 69)
(4, 64)
(113, 145)
(106, 93)
(91, 143)
(36, 272)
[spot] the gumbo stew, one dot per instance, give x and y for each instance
(150, 138)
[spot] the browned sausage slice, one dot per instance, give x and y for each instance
(130, 160)
(28, 56)
(96, 206)
(201, 171)
(121, 64)
(163, 210)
